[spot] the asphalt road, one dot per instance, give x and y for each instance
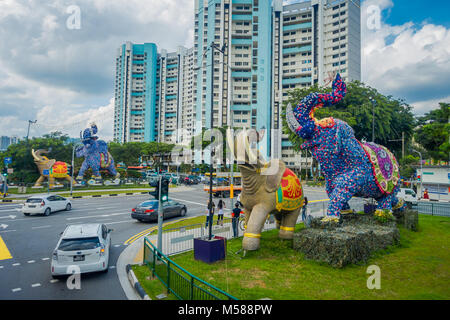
(31, 241)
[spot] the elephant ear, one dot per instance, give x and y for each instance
(50, 163)
(274, 171)
(343, 134)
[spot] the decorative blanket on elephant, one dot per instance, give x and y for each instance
(104, 160)
(384, 165)
(59, 170)
(289, 194)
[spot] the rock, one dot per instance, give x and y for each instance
(351, 241)
(408, 218)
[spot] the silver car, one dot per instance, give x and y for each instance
(82, 248)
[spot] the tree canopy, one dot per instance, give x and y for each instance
(433, 132)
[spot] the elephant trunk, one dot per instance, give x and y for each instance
(301, 119)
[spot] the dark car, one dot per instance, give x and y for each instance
(148, 210)
(194, 179)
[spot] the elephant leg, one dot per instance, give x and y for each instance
(255, 225)
(39, 181)
(346, 208)
(347, 185)
(51, 182)
(390, 202)
(83, 168)
(288, 223)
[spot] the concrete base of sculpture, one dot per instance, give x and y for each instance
(351, 242)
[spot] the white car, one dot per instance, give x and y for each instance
(45, 205)
(407, 194)
(82, 248)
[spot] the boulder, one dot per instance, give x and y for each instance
(351, 241)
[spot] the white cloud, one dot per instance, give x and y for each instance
(406, 61)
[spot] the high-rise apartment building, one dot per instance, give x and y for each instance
(153, 92)
(268, 49)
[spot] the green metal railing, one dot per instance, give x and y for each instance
(177, 280)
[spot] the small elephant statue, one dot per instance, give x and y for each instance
(267, 188)
(56, 169)
(96, 155)
(351, 168)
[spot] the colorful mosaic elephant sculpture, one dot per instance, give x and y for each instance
(267, 188)
(351, 168)
(96, 155)
(55, 169)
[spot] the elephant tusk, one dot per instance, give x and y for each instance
(291, 119)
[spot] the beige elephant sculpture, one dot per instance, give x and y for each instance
(56, 169)
(267, 188)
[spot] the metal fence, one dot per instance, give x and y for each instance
(433, 208)
(177, 280)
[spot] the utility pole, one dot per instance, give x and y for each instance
(403, 143)
(373, 118)
(29, 124)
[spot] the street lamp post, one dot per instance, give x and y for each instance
(73, 167)
(373, 118)
(421, 170)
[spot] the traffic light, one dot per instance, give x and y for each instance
(155, 193)
(5, 172)
(418, 177)
(164, 189)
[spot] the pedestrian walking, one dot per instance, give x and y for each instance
(235, 214)
(425, 194)
(220, 206)
(304, 209)
(210, 213)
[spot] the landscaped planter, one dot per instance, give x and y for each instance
(210, 251)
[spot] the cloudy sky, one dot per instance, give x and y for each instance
(59, 70)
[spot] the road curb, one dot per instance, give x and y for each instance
(135, 283)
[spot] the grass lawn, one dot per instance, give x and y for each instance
(417, 268)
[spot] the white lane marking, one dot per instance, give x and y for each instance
(117, 245)
(31, 261)
(100, 216)
(54, 280)
(112, 267)
(10, 216)
(40, 227)
(16, 289)
(35, 285)
(1, 267)
(7, 231)
(124, 221)
(43, 259)
(16, 264)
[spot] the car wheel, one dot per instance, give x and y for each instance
(27, 214)
(47, 212)
(68, 207)
(183, 212)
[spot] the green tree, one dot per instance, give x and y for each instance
(433, 132)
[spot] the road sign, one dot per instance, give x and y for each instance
(46, 172)
(10, 170)
(7, 160)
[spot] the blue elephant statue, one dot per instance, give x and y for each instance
(96, 155)
(351, 168)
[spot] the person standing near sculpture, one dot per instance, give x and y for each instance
(305, 203)
(235, 214)
(220, 206)
(426, 195)
(210, 213)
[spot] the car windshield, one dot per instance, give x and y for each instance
(34, 200)
(149, 204)
(79, 244)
